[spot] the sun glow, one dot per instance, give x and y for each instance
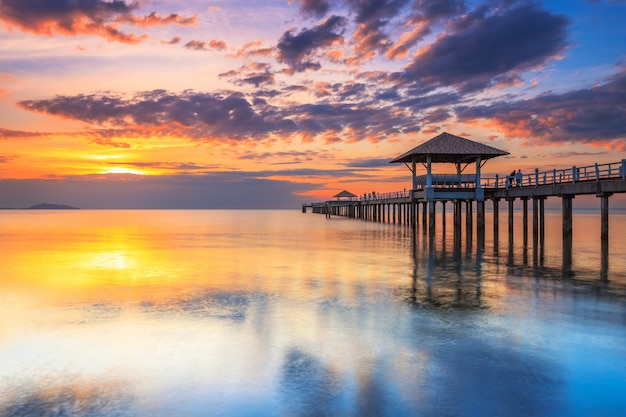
(123, 170)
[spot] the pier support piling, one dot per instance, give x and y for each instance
(567, 234)
(496, 223)
(604, 236)
(469, 225)
(457, 222)
(511, 207)
(443, 217)
(525, 221)
(480, 223)
(431, 219)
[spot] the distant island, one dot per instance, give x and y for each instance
(44, 206)
(48, 206)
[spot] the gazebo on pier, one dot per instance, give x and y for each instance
(345, 195)
(458, 187)
(447, 148)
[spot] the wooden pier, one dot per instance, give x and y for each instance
(419, 205)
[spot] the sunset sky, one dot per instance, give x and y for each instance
(267, 104)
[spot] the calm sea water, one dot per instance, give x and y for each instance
(279, 313)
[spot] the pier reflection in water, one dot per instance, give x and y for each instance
(165, 313)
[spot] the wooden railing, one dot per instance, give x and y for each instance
(596, 172)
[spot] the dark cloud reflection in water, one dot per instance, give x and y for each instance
(84, 399)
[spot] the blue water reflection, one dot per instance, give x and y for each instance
(300, 316)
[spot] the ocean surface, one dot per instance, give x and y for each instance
(279, 313)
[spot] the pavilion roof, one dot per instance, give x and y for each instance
(449, 148)
(344, 193)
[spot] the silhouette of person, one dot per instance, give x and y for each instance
(518, 178)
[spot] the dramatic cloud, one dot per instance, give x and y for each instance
(256, 73)
(426, 15)
(488, 46)
(487, 49)
(103, 141)
(371, 17)
(314, 8)
(258, 79)
(175, 40)
(369, 163)
(596, 114)
(155, 19)
(190, 114)
(426, 102)
(82, 17)
(254, 49)
(227, 115)
(432, 11)
(18, 134)
(285, 157)
(206, 46)
(298, 51)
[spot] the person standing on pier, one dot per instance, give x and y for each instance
(512, 179)
(518, 177)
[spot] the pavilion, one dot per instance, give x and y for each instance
(344, 195)
(448, 148)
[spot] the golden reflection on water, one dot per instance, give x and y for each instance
(156, 255)
(180, 303)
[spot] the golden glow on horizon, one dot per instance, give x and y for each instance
(123, 170)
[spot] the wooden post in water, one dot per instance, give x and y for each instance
(535, 223)
(480, 223)
(525, 221)
(457, 222)
(542, 221)
(496, 223)
(604, 236)
(469, 225)
(511, 207)
(424, 215)
(405, 213)
(399, 205)
(443, 217)
(567, 234)
(431, 218)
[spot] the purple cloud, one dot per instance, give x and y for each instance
(298, 51)
(82, 17)
(508, 41)
(596, 114)
(314, 8)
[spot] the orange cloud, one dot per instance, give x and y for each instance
(96, 17)
(407, 40)
(155, 19)
(253, 49)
